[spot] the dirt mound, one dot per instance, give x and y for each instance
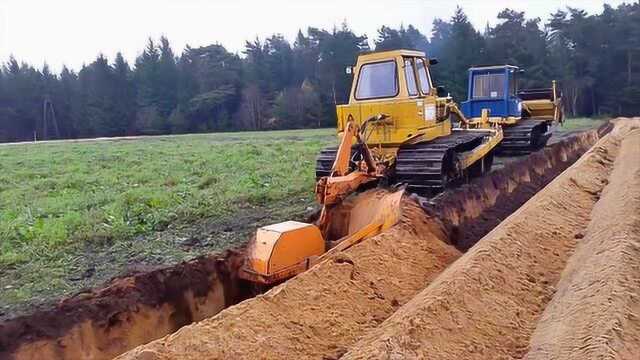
(105, 322)
(594, 313)
(324, 310)
(473, 210)
(318, 314)
(487, 304)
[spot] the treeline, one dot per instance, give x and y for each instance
(276, 84)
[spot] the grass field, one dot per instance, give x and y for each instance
(577, 124)
(72, 210)
(74, 214)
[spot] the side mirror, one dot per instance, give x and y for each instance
(521, 71)
(433, 61)
(348, 70)
(441, 91)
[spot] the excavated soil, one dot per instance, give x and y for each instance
(129, 311)
(595, 312)
(488, 304)
(319, 314)
(471, 211)
(323, 312)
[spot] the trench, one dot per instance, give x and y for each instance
(556, 280)
(138, 309)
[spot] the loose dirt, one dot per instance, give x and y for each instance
(324, 310)
(488, 303)
(595, 312)
(471, 211)
(131, 310)
(322, 313)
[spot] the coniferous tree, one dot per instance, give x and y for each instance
(68, 105)
(459, 47)
(124, 96)
(276, 84)
(149, 118)
(409, 38)
(167, 79)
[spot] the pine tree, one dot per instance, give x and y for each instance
(167, 80)
(459, 46)
(124, 96)
(149, 119)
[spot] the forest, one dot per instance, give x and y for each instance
(275, 84)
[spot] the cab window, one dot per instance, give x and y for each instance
(488, 86)
(425, 86)
(512, 84)
(410, 75)
(377, 80)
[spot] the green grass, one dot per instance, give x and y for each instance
(576, 124)
(71, 206)
(75, 214)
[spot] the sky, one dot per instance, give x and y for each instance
(73, 32)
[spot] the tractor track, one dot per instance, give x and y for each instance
(424, 167)
(526, 136)
(321, 313)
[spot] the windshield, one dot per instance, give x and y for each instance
(412, 88)
(424, 78)
(377, 80)
(488, 86)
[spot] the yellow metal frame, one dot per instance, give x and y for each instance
(423, 116)
(493, 138)
(381, 126)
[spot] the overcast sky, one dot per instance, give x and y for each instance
(73, 32)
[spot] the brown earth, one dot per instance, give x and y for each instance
(488, 303)
(131, 310)
(322, 311)
(595, 313)
(472, 210)
(318, 314)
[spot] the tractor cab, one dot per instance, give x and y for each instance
(494, 90)
(396, 84)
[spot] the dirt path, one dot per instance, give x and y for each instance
(595, 311)
(323, 311)
(487, 304)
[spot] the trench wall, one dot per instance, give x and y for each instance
(137, 309)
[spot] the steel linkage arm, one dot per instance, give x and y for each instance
(341, 182)
(331, 190)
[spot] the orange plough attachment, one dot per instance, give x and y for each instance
(281, 251)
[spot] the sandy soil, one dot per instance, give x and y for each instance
(131, 310)
(323, 311)
(488, 303)
(78, 329)
(595, 312)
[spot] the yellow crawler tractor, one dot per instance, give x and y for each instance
(396, 128)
